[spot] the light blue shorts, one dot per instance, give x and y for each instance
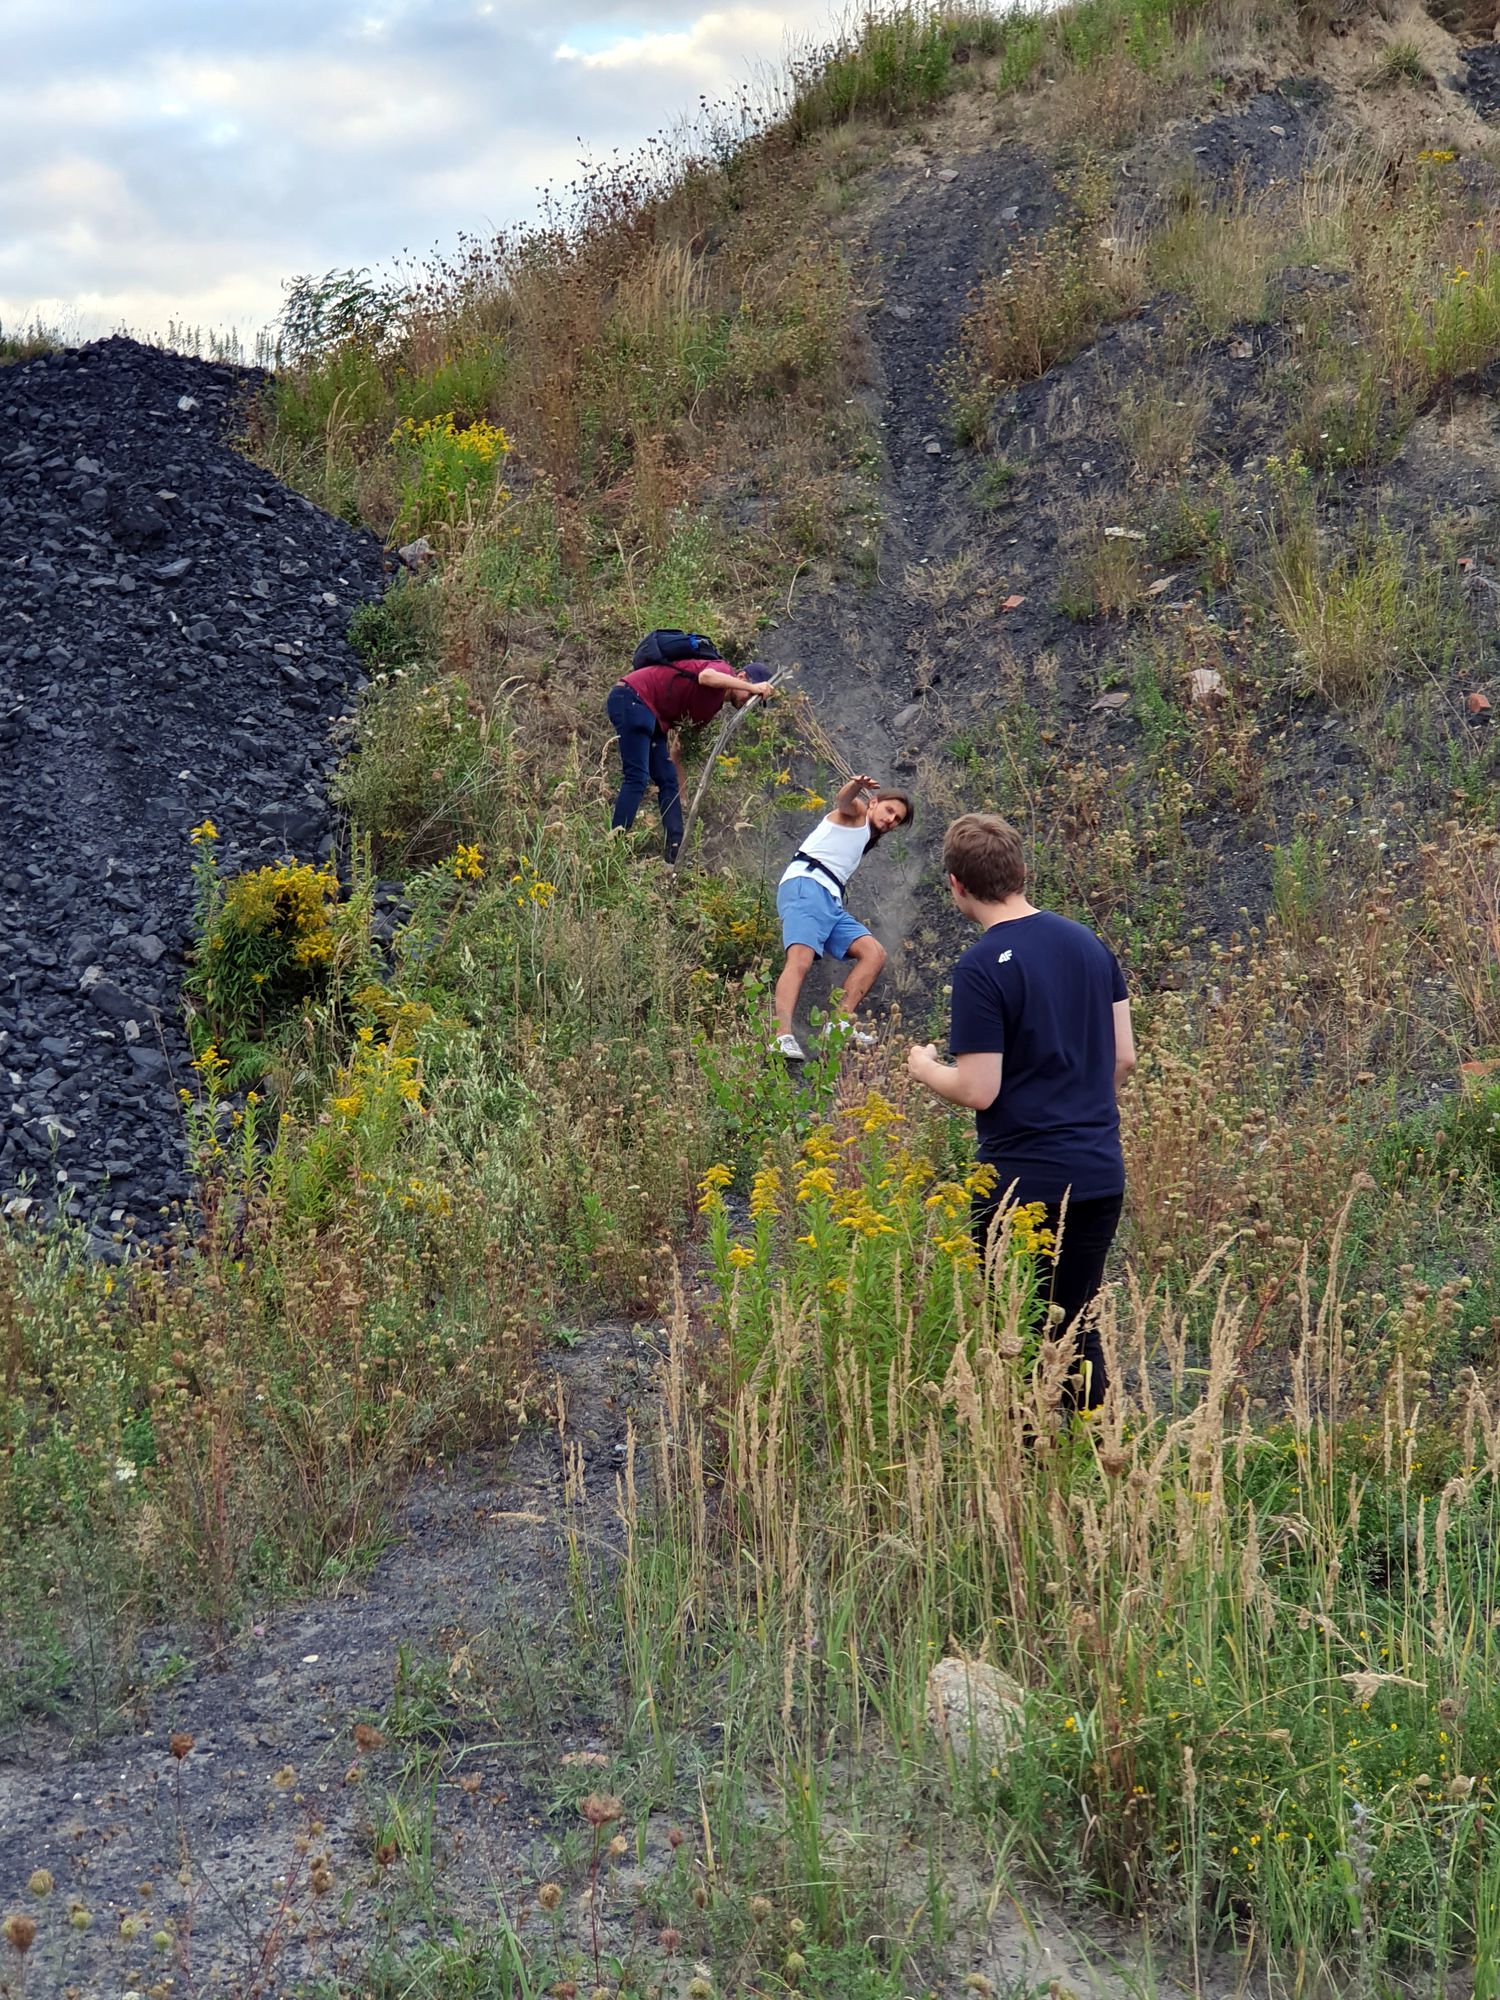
(814, 916)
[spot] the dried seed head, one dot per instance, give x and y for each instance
(675, 1838)
(700, 1896)
(321, 1878)
(385, 1853)
(367, 1736)
(179, 1743)
(601, 1809)
(285, 1778)
(470, 1784)
(550, 1896)
(619, 1846)
(669, 1939)
(41, 1883)
(19, 1932)
(565, 1989)
(760, 1909)
(977, 1983)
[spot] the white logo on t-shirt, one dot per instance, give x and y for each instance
(1003, 959)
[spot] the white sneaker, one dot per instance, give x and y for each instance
(860, 1037)
(791, 1048)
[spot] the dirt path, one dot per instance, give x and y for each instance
(279, 1854)
(894, 668)
(221, 1849)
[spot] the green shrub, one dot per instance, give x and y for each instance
(899, 61)
(270, 943)
(1024, 45)
(449, 473)
(465, 385)
(410, 786)
(730, 919)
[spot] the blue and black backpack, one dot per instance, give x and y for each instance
(665, 648)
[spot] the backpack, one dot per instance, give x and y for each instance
(666, 647)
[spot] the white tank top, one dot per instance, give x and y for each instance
(839, 848)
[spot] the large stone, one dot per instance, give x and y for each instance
(974, 1710)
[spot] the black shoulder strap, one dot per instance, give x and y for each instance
(823, 869)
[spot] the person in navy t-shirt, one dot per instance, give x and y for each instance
(1041, 1040)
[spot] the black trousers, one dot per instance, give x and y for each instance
(1072, 1281)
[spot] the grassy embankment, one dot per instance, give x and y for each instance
(1252, 1610)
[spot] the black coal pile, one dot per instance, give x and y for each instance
(172, 649)
(1480, 82)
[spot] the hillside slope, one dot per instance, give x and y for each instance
(1097, 408)
(1047, 590)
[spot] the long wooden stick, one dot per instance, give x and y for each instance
(799, 711)
(726, 730)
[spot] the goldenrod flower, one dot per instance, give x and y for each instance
(764, 1193)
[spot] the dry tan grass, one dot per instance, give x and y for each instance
(1160, 420)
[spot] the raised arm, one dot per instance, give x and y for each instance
(846, 798)
(721, 677)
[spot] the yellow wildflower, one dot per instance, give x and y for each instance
(764, 1191)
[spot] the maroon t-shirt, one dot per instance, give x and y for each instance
(674, 695)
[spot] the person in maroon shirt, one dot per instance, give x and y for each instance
(649, 702)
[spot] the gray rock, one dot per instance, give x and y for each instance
(113, 1002)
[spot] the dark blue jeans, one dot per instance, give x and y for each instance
(644, 760)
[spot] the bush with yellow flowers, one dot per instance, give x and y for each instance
(731, 919)
(270, 942)
(862, 1236)
(451, 469)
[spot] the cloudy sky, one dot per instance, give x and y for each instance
(178, 160)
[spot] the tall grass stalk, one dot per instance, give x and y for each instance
(1257, 1653)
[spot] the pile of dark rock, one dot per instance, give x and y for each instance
(172, 649)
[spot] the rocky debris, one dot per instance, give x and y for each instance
(1480, 82)
(974, 1710)
(1247, 145)
(172, 649)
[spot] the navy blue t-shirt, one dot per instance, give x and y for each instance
(1040, 991)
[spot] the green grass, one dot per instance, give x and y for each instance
(1251, 1611)
(25, 343)
(1363, 616)
(1400, 63)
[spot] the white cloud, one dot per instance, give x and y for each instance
(183, 160)
(707, 49)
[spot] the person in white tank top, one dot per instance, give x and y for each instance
(810, 902)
